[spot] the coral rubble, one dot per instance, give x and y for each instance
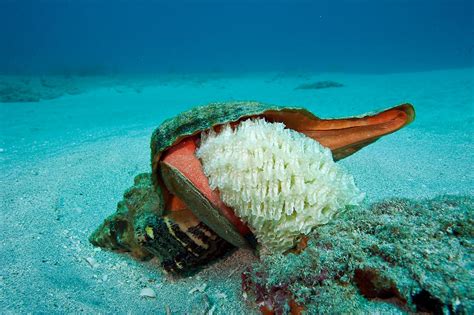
(395, 256)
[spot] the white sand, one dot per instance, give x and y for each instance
(65, 163)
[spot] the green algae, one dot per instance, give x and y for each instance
(395, 256)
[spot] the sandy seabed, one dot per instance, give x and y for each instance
(66, 161)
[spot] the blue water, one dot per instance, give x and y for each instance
(83, 84)
(146, 36)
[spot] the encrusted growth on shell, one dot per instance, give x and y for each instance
(202, 118)
(279, 181)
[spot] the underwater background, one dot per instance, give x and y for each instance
(83, 84)
(150, 36)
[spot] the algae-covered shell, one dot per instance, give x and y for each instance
(171, 215)
(195, 121)
(202, 118)
(342, 136)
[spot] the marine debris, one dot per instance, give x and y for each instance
(396, 256)
(319, 85)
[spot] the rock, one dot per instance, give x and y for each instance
(318, 85)
(397, 255)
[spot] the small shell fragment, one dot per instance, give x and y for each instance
(92, 262)
(148, 293)
(200, 288)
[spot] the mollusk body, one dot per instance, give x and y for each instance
(231, 174)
